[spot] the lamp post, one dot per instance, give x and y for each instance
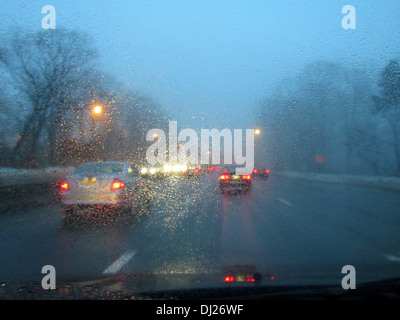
(257, 132)
(96, 111)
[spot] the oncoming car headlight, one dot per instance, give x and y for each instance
(175, 168)
(153, 170)
(179, 168)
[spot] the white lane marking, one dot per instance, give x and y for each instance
(289, 204)
(391, 257)
(120, 262)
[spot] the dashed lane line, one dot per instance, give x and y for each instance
(392, 257)
(288, 203)
(117, 265)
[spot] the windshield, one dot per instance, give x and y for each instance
(298, 100)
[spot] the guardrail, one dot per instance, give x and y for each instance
(21, 188)
(391, 183)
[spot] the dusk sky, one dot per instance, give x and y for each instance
(206, 59)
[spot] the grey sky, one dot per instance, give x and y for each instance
(206, 60)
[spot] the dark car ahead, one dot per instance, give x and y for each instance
(230, 181)
(193, 171)
(261, 172)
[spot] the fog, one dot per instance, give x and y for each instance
(214, 63)
(206, 59)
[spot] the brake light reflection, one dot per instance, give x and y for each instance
(240, 278)
(248, 278)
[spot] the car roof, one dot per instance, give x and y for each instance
(105, 162)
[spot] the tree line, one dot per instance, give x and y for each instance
(332, 118)
(50, 81)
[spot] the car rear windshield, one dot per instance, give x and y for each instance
(231, 170)
(100, 168)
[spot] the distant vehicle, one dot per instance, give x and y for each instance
(193, 171)
(172, 170)
(106, 187)
(261, 172)
(230, 181)
(152, 172)
(212, 169)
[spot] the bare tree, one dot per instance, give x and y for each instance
(44, 68)
(387, 104)
(316, 120)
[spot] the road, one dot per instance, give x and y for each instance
(292, 229)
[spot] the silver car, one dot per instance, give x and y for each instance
(104, 189)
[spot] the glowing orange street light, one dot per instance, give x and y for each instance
(97, 110)
(257, 131)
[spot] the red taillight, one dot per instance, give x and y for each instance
(229, 279)
(117, 184)
(64, 186)
(196, 170)
(225, 177)
(246, 177)
(267, 171)
(255, 171)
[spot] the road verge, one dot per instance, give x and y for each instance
(390, 183)
(21, 188)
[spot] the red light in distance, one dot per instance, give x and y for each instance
(229, 279)
(64, 186)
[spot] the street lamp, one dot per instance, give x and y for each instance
(257, 131)
(97, 111)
